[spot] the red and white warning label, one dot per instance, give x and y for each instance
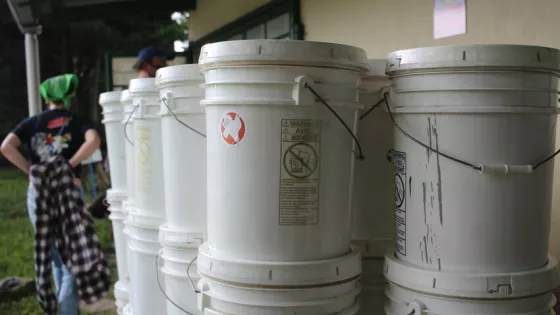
(299, 176)
(232, 128)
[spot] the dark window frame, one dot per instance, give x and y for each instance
(267, 12)
(109, 56)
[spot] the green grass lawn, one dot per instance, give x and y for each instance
(16, 241)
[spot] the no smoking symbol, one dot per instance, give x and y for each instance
(300, 160)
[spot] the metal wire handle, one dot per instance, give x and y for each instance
(360, 151)
(126, 123)
(371, 109)
(479, 168)
(189, 275)
(164, 101)
(163, 291)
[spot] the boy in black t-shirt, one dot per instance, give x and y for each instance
(56, 131)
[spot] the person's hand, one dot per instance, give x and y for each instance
(73, 163)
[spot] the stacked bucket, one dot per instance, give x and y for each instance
(147, 209)
(473, 186)
(183, 125)
(280, 168)
(243, 183)
(127, 132)
(373, 216)
(113, 113)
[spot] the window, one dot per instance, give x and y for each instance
(279, 19)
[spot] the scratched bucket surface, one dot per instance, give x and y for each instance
(486, 105)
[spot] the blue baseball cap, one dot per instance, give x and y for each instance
(147, 53)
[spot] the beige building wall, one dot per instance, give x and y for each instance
(382, 26)
(210, 15)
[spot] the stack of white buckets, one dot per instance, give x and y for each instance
(255, 219)
(473, 233)
(113, 113)
(373, 215)
(147, 211)
(183, 139)
(279, 176)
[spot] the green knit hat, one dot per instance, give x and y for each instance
(60, 89)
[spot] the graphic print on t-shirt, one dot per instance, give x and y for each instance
(45, 144)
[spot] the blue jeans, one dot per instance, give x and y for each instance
(66, 290)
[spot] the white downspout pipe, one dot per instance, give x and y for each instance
(33, 72)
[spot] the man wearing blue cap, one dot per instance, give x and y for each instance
(151, 59)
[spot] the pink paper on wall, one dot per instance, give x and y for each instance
(450, 18)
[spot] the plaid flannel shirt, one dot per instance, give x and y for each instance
(61, 215)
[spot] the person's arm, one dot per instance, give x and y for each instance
(10, 150)
(92, 143)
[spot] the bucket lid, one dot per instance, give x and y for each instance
(376, 68)
(473, 285)
(489, 56)
(177, 74)
(283, 52)
(142, 86)
(142, 220)
(125, 96)
(115, 196)
(121, 291)
(180, 238)
(110, 98)
(279, 274)
(127, 310)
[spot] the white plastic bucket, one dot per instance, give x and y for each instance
(405, 302)
(121, 296)
(474, 285)
(226, 299)
(184, 150)
(128, 130)
(113, 114)
(220, 299)
(117, 217)
(127, 310)
(178, 253)
(149, 185)
(493, 106)
(372, 298)
(146, 297)
(279, 163)
(373, 221)
(235, 287)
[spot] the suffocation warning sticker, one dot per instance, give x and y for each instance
(299, 172)
(399, 160)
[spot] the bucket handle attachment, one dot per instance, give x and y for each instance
(158, 257)
(167, 100)
(381, 91)
(416, 308)
(482, 169)
(306, 82)
(128, 121)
